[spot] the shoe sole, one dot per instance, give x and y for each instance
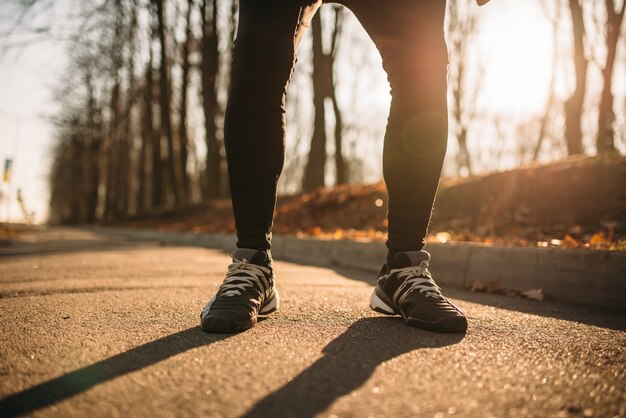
(220, 324)
(380, 302)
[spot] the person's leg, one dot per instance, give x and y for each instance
(410, 37)
(263, 59)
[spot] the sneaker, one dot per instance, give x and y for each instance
(406, 288)
(247, 291)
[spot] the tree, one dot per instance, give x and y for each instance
(324, 87)
(165, 104)
(94, 121)
(210, 67)
(462, 28)
(184, 87)
(341, 171)
(123, 178)
(111, 161)
(148, 139)
(62, 196)
(574, 104)
(606, 115)
(111, 208)
(550, 101)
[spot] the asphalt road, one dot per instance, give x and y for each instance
(100, 326)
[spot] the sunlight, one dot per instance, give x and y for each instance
(515, 48)
(512, 53)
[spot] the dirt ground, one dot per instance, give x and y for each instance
(574, 203)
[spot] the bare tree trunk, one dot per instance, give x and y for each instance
(341, 172)
(463, 159)
(460, 33)
(121, 172)
(124, 172)
(166, 123)
(141, 171)
(157, 196)
(210, 61)
(545, 118)
(157, 172)
(314, 174)
(147, 136)
(233, 20)
(76, 167)
(110, 209)
(94, 150)
(183, 137)
(112, 151)
(574, 105)
(606, 116)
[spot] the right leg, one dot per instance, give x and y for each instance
(263, 59)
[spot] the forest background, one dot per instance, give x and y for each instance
(137, 108)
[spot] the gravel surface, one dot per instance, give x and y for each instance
(106, 327)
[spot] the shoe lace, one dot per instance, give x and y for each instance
(241, 275)
(418, 278)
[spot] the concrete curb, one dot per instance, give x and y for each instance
(582, 277)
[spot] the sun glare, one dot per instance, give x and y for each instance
(511, 59)
(515, 49)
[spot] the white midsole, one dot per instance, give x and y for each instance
(376, 302)
(207, 308)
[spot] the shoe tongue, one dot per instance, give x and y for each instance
(410, 258)
(251, 256)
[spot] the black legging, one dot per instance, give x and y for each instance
(409, 35)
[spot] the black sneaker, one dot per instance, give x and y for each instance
(406, 288)
(247, 291)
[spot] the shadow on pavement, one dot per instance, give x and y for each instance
(348, 362)
(78, 381)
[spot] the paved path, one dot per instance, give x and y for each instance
(99, 326)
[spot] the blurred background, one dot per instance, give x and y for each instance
(111, 111)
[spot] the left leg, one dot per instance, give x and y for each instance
(410, 37)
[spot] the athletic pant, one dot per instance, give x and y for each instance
(409, 35)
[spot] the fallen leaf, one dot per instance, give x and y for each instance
(569, 242)
(534, 294)
(597, 238)
(488, 287)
